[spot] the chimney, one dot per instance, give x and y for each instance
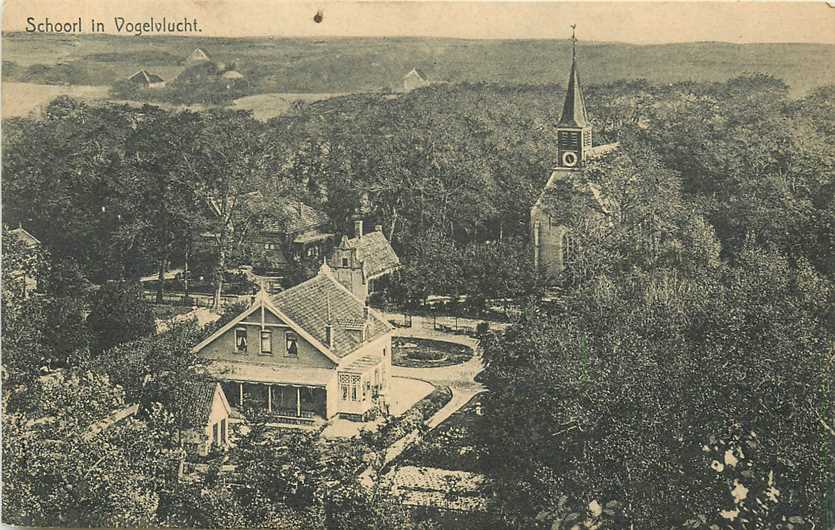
(329, 335)
(358, 228)
(378, 228)
(365, 312)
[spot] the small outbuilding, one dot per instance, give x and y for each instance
(147, 80)
(205, 414)
(415, 79)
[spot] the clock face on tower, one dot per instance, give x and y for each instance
(569, 159)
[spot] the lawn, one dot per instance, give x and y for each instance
(423, 353)
(165, 312)
(454, 445)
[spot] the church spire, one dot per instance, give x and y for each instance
(574, 128)
(574, 107)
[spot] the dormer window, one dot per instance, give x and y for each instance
(240, 339)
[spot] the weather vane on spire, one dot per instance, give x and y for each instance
(573, 41)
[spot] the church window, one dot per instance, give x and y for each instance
(344, 262)
(569, 248)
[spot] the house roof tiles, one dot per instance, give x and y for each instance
(375, 253)
(194, 402)
(321, 301)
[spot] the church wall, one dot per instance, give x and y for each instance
(551, 237)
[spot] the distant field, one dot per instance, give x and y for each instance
(20, 99)
(266, 106)
(348, 65)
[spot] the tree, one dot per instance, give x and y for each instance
(607, 353)
(54, 473)
(119, 314)
(153, 151)
(225, 161)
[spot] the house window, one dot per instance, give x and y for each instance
(349, 387)
(266, 341)
(240, 340)
(344, 262)
(292, 344)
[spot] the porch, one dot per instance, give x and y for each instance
(285, 403)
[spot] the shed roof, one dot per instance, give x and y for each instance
(195, 400)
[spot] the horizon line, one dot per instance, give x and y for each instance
(404, 37)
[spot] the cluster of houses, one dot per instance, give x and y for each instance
(198, 64)
(304, 355)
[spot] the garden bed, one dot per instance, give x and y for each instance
(413, 419)
(423, 353)
(455, 445)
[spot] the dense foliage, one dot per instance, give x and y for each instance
(682, 370)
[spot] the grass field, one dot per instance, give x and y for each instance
(298, 65)
(266, 106)
(20, 99)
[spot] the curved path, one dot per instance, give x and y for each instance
(460, 378)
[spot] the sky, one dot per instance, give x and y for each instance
(635, 22)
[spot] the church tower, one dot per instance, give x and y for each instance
(573, 129)
(552, 242)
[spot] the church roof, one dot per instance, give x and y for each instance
(574, 107)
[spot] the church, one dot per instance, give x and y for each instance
(551, 239)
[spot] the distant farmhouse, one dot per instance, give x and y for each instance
(147, 80)
(415, 79)
(197, 56)
(553, 245)
(199, 67)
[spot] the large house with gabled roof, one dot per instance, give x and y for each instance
(312, 352)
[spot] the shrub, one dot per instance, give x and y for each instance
(119, 314)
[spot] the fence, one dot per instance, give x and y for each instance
(443, 323)
(194, 299)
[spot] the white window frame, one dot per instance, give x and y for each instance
(238, 330)
(265, 333)
(291, 337)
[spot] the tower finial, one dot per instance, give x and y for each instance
(573, 42)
